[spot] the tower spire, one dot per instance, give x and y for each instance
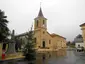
(40, 13)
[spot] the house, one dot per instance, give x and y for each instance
(79, 41)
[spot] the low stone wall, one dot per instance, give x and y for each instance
(0, 49)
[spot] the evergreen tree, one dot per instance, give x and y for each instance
(4, 31)
(29, 51)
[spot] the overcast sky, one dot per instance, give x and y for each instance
(64, 16)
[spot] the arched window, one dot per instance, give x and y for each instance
(49, 41)
(43, 22)
(35, 40)
(37, 23)
(43, 32)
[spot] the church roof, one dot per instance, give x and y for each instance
(54, 35)
(40, 14)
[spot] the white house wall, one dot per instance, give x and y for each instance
(81, 44)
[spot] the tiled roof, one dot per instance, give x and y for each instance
(54, 35)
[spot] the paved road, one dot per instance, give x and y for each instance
(72, 57)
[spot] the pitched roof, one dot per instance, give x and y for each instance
(79, 36)
(78, 39)
(82, 25)
(54, 35)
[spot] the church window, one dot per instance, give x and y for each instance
(43, 22)
(43, 32)
(49, 41)
(35, 40)
(37, 23)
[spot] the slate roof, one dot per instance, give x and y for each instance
(82, 25)
(40, 14)
(78, 39)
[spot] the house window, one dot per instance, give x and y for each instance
(78, 45)
(49, 41)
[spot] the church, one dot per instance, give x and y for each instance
(43, 39)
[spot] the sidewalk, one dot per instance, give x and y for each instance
(13, 56)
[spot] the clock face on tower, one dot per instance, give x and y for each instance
(43, 25)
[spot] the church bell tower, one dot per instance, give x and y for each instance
(40, 21)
